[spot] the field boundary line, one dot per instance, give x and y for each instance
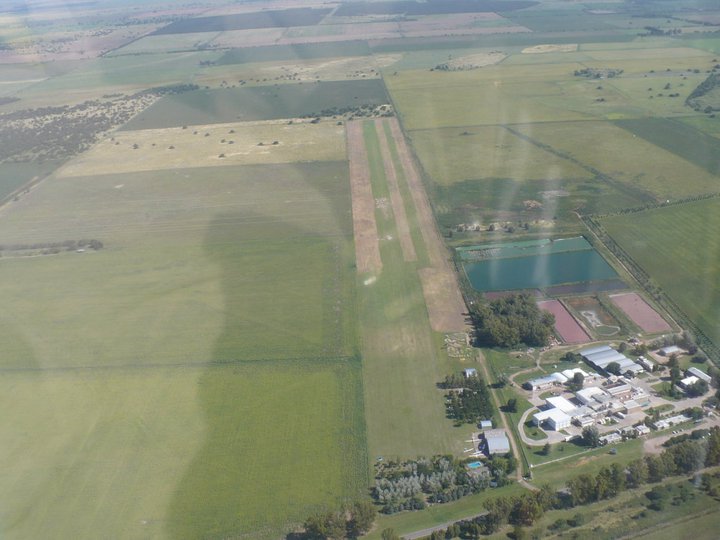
(329, 360)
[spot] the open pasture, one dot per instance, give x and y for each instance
(266, 247)
(258, 103)
(180, 452)
(625, 157)
(242, 21)
(451, 155)
(247, 143)
(678, 247)
(14, 175)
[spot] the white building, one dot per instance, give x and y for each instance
(688, 381)
(561, 403)
(699, 374)
(554, 379)
(555, 418)
(592, 395)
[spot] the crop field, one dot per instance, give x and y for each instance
(247, 143)
(680, 139)
(640, 312)
(433, 7)
(179, 229)
(202, 271)
(258, 103)
(450, 155)
(13, 175)
(305, 51)
(671, 244)
(624, 157)
(179, 452)
(241, 21)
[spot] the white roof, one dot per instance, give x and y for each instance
(592, 350)
(687, 381)
(570, 372)
(700, 374)
(631, 404)
(557, 416)
(470, 372)
(618, 389)
(587, 394)
(549, 379)
(603, 359)
(671, 349)
(561, 403)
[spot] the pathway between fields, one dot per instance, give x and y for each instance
(427, 532)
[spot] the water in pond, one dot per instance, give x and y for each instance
(537, 269)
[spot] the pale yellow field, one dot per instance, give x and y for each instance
(246, 143)
(541, 49)
(264, 73)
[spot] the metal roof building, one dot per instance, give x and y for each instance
(497, 441)
(699, 374)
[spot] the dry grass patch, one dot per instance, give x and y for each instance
(246, 143)
(541, 49)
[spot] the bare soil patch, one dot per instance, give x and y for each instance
(401, 222)
(640, 312)
(446, 306)
(567, 327)
(367, 249)
(541, 49)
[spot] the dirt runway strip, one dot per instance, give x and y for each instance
(367, 249)
(396, 200)
(445, 304)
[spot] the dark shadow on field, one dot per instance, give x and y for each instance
(206, 502)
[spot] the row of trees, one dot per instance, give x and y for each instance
(682, 458)
(511, 321)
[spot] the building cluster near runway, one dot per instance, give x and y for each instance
(605, 395)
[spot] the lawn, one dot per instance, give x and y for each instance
(220, 105)
(179, 452)
(671, 243)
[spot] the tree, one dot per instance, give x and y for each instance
(545, 449)
(614, 368)
(591, 436)
(637, 473)
(363, 516)
(697, 388)
(577, 382)
(511, 405)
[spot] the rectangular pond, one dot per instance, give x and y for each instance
(534, 264)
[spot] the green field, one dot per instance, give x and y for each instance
(626, 158)
(299, 51)
(179, 452)
(258, 103)
(200, 372)
(680, 139)
(678, 248)
(14, 175)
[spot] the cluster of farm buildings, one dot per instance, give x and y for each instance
(607, 394)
